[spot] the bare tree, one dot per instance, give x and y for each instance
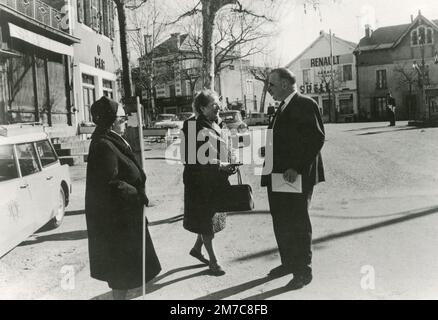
(209, 10)
(121, 6)
(261, 74)
(148, 24)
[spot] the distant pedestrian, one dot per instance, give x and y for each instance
(205, 176)
(114, 201)
(390, 105)
(298, 136)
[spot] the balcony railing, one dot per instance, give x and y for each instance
(38, 11)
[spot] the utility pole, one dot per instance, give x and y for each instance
(332, 99)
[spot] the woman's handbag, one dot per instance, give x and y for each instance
(235, 198)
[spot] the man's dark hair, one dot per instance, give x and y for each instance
(286, 74)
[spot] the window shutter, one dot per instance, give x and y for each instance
(81, 11)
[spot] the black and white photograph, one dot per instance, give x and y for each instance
(218, 150)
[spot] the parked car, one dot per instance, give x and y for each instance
(233, 121)
(34, 186)
(165, 120)
(257, 119)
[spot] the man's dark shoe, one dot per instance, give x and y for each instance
(299, 281)
(198, 255)
(280, 271)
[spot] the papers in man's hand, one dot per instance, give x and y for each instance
(281, 185)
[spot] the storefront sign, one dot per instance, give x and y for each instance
(323, 61)
(99, 63)
(317, 88)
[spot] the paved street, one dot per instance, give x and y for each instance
(377, 214)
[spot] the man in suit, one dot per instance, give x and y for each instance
(296, 141)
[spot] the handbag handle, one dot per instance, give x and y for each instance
(239, 176)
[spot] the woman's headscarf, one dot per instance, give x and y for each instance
(104, 112)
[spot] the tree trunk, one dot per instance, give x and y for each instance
(263, 98)
(209, 10)
(208, 16)
(126, 72)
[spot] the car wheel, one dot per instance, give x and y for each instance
(60, 210)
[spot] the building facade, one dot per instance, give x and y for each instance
(94, 63)
(330, 79)
(402, 60)
(36, 50)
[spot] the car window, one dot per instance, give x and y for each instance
(8, 168)
(46, 153)
(27, 159)
(230, 116)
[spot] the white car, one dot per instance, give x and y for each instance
(34, 186)
(257, 119)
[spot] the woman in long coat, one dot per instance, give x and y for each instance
(205, 176)
(114, 201)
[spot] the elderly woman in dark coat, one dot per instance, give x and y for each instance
(114, 201)
(206, 172)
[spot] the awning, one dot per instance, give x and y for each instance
(39, 40)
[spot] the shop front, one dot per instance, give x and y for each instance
(34, 71)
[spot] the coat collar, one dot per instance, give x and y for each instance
(118, 142)
(205, 123)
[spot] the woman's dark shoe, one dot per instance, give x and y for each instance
(198, 255)
(216, 269)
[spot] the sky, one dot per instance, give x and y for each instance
(346, 19)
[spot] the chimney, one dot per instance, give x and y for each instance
(321, 33)
(412, 18)
(176, 37)
(368, 31)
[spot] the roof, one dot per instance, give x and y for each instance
(389, 36)
(321, 36)
(171, 45)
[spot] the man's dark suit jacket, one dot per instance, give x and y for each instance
(298, 136)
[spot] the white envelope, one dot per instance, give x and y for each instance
(281, 185)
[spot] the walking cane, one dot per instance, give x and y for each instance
(140, 134)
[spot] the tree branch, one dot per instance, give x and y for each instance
(189, 13)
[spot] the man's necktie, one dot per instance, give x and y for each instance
(277, 113)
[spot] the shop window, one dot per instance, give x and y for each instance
(381, 79)
(346, 105)
(108, 88)
(347, 72)
(88, 94)
(87, 79)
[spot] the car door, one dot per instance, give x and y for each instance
(17, 220)
(31, 173)
(50, 177)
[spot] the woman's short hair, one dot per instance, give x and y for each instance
(284, 73)
(202, 99)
